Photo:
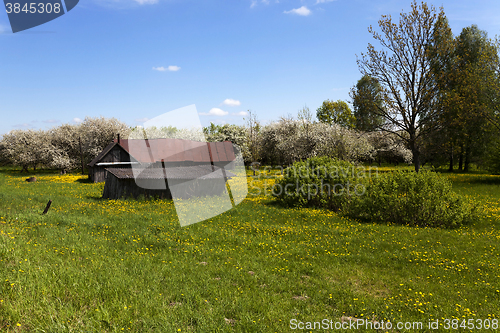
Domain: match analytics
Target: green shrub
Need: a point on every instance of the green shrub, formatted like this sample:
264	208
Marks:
422	199
319	182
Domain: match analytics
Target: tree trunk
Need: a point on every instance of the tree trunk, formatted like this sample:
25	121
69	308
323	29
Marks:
461	159
416	159
450	169
415	152
467	158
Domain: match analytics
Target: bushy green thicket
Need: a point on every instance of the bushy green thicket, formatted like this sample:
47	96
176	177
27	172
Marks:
319	182
422	199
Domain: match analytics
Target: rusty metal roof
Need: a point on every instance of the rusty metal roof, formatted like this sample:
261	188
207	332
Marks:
186	172
178	150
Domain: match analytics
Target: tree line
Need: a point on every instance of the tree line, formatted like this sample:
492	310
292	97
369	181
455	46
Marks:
282	142
439	93
64	147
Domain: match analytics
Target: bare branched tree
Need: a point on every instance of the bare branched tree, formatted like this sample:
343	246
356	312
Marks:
404	72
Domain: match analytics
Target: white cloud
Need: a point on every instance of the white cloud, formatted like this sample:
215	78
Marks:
51	121
77	120
169	69
324	1
173	68
215	112
302	11
146	2
241	113
142	120
231	102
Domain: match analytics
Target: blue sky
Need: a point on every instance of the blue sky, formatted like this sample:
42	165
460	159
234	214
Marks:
137	59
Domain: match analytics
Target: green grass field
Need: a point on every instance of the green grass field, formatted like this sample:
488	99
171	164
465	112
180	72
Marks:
93	265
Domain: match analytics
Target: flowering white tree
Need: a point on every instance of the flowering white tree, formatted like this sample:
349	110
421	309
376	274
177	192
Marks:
341	142
4	158
389	147
278	141
239	135
289	140
97	133
65	153
26	148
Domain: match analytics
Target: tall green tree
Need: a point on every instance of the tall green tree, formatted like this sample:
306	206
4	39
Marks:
493	97
441	143
368	104
465	69
493	93
476	58
404	73
337	112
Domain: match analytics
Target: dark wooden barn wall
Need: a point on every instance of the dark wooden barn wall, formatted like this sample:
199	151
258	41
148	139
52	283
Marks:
116	188
98	174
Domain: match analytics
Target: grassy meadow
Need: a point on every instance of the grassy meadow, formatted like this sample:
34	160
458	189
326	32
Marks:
93	265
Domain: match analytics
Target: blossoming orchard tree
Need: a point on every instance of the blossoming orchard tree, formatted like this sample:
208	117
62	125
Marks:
97	133
289	140
26	148
388	147
403	70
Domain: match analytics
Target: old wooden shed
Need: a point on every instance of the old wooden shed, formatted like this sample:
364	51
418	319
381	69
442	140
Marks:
159	153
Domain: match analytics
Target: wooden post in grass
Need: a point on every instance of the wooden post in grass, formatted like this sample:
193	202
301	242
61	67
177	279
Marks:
47	207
